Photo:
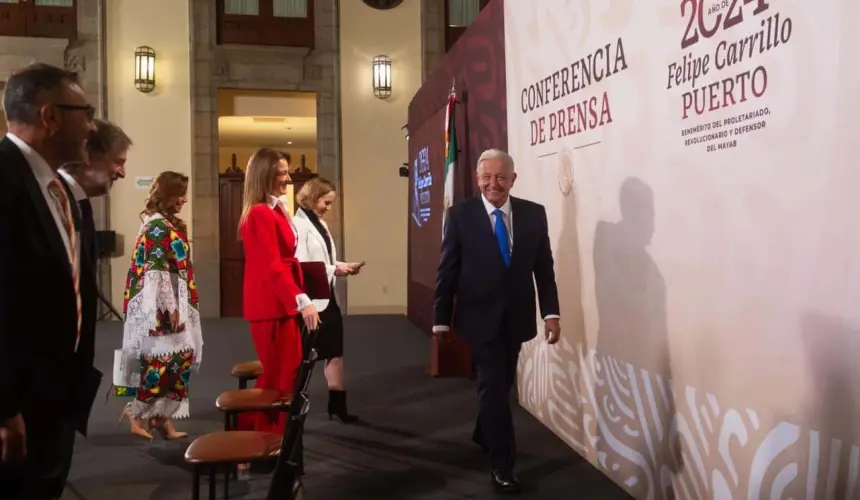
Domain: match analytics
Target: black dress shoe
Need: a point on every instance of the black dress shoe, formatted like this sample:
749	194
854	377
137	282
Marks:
505	482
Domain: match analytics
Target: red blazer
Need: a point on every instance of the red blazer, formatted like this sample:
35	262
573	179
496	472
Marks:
273	276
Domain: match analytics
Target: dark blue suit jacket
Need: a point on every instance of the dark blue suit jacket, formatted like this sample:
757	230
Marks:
493	299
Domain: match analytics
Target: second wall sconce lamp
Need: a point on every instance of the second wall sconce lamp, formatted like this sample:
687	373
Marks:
382	77
144	69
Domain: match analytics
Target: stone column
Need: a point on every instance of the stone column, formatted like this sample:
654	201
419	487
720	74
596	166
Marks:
432	34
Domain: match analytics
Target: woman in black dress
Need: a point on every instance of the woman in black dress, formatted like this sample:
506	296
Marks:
315	244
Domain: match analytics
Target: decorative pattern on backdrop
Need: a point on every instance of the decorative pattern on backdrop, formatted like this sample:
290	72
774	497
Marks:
660	439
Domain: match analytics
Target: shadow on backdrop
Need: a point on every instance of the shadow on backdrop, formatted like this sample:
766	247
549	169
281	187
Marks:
832	346
632	386
569	283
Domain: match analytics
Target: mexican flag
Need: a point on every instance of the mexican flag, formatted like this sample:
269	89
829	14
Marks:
450	155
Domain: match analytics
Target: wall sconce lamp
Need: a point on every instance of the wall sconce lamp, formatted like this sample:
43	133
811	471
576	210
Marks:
144	69
382	77
405	130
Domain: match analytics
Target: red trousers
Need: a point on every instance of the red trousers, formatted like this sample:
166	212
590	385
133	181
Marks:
279	348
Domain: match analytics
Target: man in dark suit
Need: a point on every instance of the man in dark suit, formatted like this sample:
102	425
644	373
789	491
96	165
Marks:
107	152
47	291
495	249
106	155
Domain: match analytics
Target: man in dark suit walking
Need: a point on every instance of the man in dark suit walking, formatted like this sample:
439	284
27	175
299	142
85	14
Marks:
107	152
47	288
495	249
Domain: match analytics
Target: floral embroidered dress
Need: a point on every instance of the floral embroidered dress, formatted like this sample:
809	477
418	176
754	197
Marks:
154	365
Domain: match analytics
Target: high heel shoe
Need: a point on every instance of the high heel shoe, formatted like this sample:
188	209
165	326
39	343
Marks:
164	427
337	407
135	426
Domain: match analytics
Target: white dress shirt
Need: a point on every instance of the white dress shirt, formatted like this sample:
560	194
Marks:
44	176
509	223
77	190
302	299
508	218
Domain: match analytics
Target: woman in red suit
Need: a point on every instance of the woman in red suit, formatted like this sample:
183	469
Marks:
274	303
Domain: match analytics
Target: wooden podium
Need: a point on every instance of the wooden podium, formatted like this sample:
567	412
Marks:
450	357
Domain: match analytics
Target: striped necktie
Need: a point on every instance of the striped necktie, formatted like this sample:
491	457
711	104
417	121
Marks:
61	200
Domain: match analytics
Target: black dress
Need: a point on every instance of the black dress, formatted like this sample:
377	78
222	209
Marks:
329	342
329	339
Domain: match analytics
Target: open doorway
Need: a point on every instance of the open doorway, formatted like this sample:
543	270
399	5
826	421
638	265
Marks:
247	121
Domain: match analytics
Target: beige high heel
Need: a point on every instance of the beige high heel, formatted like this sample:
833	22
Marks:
135	426
164	426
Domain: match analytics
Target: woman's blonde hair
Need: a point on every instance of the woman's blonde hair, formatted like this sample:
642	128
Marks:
164	193
259	177
312	190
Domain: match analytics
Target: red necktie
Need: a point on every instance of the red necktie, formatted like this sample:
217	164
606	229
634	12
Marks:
58	193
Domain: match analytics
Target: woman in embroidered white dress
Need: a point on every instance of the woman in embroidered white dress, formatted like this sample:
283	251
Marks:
162	340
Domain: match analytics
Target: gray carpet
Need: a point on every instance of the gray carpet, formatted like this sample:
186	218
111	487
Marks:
414	442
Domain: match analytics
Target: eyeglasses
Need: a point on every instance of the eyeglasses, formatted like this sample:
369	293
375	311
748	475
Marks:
90	110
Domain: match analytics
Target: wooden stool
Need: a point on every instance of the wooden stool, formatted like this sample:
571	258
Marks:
237	401
225	450
249	370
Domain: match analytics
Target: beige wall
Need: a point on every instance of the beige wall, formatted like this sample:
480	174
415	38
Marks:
159	123
374	197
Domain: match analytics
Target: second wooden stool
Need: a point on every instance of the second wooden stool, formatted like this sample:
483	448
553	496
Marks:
247	371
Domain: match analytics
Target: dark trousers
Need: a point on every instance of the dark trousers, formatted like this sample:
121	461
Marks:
496	366
42	476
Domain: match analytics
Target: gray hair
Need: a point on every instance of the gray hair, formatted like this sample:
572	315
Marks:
106	138
32	87
496	154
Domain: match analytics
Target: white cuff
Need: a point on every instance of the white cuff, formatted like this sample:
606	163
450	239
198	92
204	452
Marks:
440	328
303	301
551	316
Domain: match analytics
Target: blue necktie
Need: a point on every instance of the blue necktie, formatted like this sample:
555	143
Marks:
502	236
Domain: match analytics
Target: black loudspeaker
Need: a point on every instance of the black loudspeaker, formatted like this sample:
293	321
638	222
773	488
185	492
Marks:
106	243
